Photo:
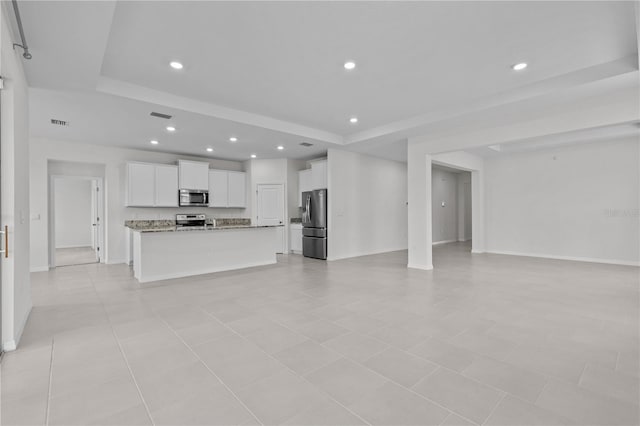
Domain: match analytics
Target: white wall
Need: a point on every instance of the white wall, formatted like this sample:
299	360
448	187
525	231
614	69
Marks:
575	202
269	171
16	287
293	167
464	206
73	212
367	205
444	187
112	160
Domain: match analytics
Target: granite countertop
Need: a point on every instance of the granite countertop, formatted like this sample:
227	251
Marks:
170	225
199	228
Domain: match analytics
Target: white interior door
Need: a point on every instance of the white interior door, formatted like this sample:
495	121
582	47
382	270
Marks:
271	210
97	209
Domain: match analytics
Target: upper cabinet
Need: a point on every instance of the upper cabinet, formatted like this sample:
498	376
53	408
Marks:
151	185
218	188
305	183
227	189
193	175
237	189
141	185
319	174
166	185
157	185
313	178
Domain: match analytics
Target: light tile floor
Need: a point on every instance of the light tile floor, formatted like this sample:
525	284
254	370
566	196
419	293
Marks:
482	339
75	256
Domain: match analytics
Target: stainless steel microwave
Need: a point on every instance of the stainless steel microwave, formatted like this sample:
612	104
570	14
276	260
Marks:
193	197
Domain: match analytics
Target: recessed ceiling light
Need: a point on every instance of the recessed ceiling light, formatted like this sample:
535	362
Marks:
171	129
349	65
280	147
520	66
209	149
176	65
233	139
353	120
253	156
154	142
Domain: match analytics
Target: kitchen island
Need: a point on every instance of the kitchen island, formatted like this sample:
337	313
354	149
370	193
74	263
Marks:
163	251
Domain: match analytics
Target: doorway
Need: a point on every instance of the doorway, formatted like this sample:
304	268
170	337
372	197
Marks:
271	210
451	206
76	217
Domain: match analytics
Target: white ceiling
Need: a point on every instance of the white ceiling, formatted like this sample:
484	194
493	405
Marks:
600	134
271	72
110	120
284	59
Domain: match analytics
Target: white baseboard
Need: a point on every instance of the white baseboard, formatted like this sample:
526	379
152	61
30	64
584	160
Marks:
463	240
75	246
115	261
437	243
477	251
422	267
39	268
366	253
571	258
9	345
12	345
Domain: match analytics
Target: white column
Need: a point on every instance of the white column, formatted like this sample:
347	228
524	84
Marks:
419	211
477	211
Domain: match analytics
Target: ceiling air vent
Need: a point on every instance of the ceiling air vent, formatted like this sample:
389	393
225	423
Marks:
59	122
306	144
161	115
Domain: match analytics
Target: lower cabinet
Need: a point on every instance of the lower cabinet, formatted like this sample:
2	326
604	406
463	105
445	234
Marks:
295	235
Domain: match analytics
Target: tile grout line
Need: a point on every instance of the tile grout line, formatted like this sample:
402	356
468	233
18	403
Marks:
493	410
135	382
212	372
46	419
584	369
358	363
126	361
287	367
393	381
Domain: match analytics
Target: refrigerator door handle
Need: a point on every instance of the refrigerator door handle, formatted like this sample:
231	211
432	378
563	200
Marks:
308	209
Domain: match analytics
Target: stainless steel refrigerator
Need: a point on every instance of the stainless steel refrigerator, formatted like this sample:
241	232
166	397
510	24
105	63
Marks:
314	224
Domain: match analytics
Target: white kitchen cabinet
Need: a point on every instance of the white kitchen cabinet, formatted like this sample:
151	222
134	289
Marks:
166	183
141	178
237	189
295	235
193	175
305	183
319	174
218	188
227	189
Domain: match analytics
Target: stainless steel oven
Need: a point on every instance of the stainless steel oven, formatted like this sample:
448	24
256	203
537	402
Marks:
190	221
193	197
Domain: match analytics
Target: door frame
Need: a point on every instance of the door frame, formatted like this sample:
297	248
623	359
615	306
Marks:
285	231
99	208
477	201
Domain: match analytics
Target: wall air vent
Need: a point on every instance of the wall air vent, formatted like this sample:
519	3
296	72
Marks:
59	122
306	144
161	115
